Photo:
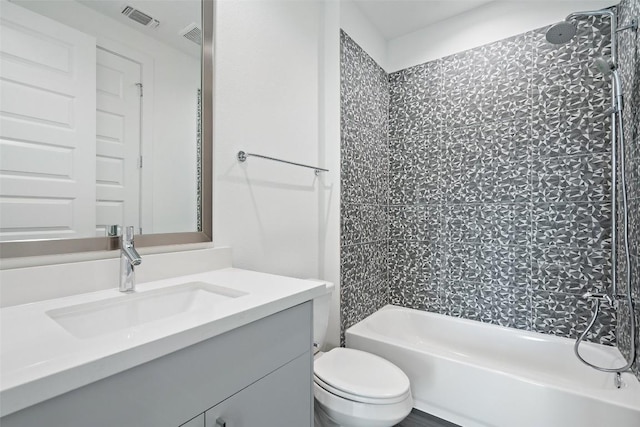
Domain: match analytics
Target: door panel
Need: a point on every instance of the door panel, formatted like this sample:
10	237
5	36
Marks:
117	141
47	81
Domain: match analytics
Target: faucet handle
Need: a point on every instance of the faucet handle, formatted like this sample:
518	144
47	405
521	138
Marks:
112	230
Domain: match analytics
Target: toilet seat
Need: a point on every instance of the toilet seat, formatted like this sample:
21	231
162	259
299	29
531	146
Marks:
356	398
361	377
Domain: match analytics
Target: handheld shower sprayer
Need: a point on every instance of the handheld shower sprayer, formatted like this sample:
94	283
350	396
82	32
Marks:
608	68
604	65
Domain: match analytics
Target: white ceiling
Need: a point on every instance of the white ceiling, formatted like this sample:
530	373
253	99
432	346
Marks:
174	15
395	18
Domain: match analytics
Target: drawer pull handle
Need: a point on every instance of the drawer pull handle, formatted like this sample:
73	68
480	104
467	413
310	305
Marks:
220	423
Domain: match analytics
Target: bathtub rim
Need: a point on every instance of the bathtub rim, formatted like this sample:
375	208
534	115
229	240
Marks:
607	395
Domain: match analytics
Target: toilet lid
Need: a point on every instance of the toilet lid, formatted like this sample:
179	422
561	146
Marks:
360	374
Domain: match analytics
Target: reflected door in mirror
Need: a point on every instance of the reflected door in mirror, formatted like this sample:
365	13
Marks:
119	89
47	128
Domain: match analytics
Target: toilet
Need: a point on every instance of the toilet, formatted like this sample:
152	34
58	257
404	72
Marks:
353	388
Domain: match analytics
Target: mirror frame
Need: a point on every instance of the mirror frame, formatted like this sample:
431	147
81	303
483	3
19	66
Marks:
66	246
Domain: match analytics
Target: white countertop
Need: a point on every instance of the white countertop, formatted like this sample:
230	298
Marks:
39	359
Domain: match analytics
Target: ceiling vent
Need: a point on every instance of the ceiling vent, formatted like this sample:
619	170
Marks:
140	17
192	33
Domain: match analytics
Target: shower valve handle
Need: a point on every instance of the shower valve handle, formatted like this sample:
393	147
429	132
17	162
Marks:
598	296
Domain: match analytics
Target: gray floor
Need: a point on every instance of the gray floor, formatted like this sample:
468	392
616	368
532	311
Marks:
420	419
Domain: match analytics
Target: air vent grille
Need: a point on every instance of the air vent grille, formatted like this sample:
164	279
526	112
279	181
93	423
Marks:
192	33
140	17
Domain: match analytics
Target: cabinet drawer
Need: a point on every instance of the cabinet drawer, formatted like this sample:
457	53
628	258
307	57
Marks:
277	400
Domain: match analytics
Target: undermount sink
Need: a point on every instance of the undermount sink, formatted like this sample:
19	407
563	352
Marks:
127	311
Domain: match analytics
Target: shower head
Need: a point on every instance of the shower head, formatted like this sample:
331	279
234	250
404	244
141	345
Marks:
607	67
604	65
561	32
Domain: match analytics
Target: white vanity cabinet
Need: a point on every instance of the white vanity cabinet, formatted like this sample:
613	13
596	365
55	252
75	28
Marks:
258	374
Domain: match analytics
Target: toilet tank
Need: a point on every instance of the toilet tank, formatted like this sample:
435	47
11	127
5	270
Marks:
321	306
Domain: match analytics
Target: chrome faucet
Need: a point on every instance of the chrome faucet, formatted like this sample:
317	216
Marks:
129	258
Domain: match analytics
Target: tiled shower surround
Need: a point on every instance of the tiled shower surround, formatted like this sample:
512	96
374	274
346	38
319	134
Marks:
630	73
496	205
364	156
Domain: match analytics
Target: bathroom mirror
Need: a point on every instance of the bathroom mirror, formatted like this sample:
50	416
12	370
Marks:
105	121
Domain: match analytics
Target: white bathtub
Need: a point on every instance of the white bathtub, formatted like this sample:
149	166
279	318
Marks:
477	374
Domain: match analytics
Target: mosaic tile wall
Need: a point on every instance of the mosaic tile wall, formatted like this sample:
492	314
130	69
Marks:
629	58
499	181
364	182
499	184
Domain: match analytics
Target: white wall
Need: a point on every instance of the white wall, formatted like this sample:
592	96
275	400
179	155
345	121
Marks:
267	102
330	149
176	78
362	31
277	94
486	24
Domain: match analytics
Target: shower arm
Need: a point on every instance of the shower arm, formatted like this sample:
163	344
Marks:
614	27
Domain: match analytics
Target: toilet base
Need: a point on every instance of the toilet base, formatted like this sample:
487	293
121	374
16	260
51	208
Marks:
321	419
333	411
